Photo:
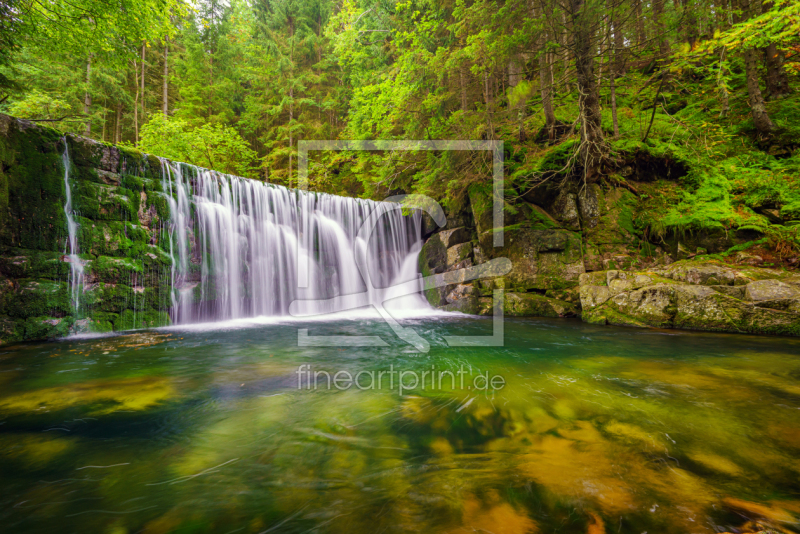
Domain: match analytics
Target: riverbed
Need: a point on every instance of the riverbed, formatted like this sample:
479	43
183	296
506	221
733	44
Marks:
237	427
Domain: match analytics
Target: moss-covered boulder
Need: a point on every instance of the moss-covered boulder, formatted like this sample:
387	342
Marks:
541	259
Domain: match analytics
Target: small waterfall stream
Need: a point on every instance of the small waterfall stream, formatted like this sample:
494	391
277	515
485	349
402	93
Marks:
235	244
71	247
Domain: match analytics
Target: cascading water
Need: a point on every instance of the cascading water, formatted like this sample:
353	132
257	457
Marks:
235	245
71	247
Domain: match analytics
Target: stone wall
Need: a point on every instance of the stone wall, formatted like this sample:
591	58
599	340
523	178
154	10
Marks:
119	209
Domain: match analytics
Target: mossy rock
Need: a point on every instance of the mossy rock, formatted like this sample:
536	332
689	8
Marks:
113	298
433	260
468	305
104	202
541	259
26	263
47	327
31	185
112	270
38	297
12	330
130	319
112	238
534	305
529	305
791	212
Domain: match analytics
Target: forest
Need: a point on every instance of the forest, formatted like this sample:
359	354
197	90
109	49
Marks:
579	91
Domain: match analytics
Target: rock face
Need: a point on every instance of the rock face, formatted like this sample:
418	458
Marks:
695	296
120	208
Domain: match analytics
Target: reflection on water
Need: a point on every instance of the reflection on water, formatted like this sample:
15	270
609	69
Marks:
596	430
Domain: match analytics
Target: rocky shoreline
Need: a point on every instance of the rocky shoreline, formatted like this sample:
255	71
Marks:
577	259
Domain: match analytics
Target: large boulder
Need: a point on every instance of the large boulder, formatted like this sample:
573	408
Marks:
541	259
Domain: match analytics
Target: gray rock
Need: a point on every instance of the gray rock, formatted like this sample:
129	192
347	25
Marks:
453	237
460	291
593	296
770	290
458	253
565	209
589	205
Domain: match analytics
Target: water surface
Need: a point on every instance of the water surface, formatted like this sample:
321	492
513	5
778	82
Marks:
204	429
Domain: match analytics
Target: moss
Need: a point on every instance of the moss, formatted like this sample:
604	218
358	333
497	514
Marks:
104	202
432	260
114	298
533	305
26	263
33	176
112	238
113	270
47	327
97	397
129	319
11	330
791	211
102	321
37	297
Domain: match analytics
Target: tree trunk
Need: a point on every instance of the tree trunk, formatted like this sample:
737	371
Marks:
619	46
721	10
637	13
777	82
593	148
755	99
118	123
690	15
565	46
165	88
663	41
619	68
514	72
87	98
136	104
463	79
723	89
546	86
143	105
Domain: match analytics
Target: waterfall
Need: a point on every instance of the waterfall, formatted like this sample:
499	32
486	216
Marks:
71	247
235	245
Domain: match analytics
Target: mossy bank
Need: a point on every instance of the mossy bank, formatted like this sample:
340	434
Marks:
120	210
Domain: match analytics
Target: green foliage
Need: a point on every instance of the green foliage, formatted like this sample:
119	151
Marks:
214	146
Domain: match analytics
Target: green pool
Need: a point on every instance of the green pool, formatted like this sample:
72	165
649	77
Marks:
588	429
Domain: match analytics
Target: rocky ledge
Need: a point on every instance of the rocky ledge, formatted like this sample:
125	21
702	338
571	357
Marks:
688	294
695	295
